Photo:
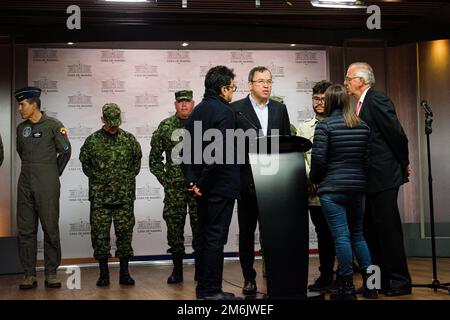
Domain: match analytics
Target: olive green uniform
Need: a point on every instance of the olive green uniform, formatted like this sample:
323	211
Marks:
177	199
111	162
45	151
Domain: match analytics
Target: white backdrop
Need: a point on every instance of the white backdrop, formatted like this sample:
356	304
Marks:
76	83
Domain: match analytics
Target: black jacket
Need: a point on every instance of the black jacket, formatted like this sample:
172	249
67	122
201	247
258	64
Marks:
389	154
339	155
246	118
214	178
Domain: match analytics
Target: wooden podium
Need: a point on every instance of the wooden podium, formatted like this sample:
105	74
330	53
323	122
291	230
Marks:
280	183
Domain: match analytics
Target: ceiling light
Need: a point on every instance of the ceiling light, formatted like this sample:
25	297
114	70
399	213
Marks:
184	44
292	44
70	43
347	4
126	0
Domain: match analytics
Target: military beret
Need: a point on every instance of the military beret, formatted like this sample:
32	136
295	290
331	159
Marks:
27	93
277	98
111	114
183	95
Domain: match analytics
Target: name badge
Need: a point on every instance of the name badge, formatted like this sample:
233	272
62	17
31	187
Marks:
37	134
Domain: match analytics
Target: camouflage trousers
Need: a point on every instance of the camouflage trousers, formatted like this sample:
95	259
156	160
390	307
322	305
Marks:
101	218
176	201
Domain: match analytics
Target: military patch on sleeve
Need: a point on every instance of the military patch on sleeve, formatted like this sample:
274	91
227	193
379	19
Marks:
63	131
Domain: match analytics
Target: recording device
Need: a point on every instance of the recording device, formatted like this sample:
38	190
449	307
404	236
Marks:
240	114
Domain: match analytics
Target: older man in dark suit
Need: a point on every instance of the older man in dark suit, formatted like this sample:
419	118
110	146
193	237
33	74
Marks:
389	169
215	181
267	117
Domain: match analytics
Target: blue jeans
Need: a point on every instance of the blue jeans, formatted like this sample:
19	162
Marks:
344	213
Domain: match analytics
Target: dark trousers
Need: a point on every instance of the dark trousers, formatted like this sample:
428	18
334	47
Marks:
384	236
214	218
247	219
325	241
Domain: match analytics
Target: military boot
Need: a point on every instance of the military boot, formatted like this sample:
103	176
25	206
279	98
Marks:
103	280
29	282
177	273
125	277
51	281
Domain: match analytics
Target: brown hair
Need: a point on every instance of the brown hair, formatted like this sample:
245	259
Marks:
336	97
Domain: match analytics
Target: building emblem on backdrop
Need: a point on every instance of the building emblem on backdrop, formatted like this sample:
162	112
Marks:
145	131
178	56
175	85
79	101
241	57
149	226
46	85
79	194
145	71
242	85
146	101
204	70
50	113
148	193
113	86
306	57
277	71
44	55
112	56
79	132
305	86
74	165
81	228
79	70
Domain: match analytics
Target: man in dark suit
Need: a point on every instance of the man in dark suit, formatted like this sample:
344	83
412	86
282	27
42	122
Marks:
389	168
214	181
268	117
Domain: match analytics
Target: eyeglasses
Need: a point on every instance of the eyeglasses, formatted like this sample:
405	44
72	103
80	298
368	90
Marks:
262	82
317	99
234	88
348	79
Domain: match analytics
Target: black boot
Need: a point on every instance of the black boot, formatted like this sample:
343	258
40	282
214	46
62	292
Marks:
125	277
346	289
103	280
177	273
367	293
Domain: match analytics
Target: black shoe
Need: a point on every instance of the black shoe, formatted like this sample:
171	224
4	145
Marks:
401	291
222	296
103	279
322	283
249	287
175	278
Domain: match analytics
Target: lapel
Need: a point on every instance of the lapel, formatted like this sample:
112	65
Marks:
364	113
248	109
271	115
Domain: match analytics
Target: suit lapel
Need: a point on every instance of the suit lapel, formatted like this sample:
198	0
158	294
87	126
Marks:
364	113
271	115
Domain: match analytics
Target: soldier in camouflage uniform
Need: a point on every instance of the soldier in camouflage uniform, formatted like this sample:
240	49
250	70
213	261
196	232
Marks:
44	149
177	198
111	159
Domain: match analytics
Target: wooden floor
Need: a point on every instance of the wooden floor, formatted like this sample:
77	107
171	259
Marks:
151	283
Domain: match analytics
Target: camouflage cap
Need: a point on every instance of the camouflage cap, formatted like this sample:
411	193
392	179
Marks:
111	114
183	95
277	98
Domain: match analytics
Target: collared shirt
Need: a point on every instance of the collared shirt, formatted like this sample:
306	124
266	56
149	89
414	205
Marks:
262	113
363	95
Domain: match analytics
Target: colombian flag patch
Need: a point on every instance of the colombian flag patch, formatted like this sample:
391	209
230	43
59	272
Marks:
63	131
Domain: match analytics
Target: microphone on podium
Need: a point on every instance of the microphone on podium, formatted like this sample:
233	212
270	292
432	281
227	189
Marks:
241	114
426	107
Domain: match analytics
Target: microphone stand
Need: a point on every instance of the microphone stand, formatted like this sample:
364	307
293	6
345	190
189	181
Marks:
435	284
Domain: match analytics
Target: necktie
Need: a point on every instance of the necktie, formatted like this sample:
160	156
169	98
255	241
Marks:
358	107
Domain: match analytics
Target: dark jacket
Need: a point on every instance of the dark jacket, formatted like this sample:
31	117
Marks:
388	143
216	178
339	155
246	118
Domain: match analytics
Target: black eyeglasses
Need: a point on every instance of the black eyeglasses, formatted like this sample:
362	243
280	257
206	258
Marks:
317	99
263	82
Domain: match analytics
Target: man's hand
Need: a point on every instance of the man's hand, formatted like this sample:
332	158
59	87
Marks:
193	188
409	170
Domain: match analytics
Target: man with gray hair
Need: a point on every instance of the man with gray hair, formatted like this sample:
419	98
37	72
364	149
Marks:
389	168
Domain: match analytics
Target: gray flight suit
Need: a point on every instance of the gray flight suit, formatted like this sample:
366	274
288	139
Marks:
45	151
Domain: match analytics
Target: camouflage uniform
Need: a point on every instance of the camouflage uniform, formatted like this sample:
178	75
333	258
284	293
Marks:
177	198
111	162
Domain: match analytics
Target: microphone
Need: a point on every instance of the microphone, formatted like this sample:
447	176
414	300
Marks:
426	107
241	114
